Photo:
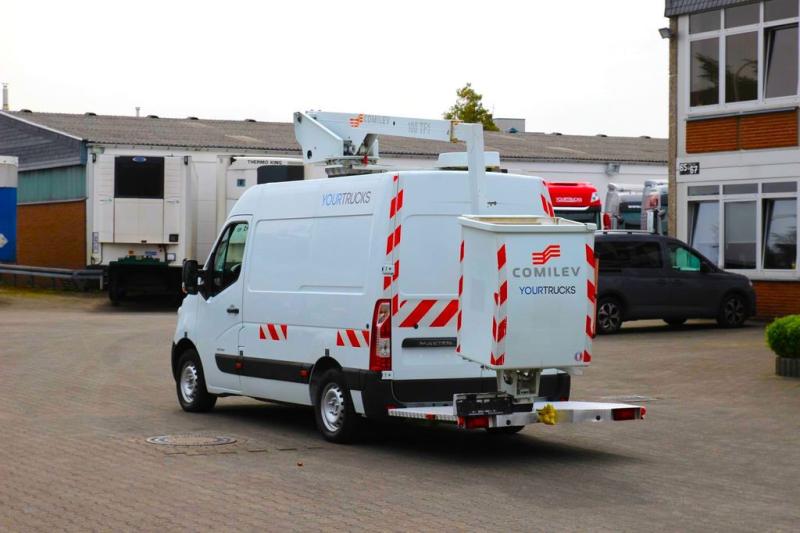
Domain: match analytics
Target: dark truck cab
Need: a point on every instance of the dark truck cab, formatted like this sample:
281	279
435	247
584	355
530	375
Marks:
648	276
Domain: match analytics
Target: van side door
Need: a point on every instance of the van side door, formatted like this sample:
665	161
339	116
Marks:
633	270
696	288
219	311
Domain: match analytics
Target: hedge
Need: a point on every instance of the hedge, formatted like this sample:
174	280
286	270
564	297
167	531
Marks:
783	336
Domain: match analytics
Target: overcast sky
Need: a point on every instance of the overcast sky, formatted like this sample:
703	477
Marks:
572	66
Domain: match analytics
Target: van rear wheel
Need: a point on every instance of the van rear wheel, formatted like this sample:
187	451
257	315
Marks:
333	408
609	316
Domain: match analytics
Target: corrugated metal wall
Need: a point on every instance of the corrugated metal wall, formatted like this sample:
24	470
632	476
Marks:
52	184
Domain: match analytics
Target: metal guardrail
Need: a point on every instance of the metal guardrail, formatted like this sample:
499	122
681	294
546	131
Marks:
79	277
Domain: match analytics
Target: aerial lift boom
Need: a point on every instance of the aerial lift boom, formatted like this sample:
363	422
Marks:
351	140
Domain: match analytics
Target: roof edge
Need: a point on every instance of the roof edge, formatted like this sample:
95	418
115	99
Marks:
41	126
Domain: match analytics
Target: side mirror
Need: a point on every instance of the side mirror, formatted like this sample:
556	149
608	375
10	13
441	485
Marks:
189	277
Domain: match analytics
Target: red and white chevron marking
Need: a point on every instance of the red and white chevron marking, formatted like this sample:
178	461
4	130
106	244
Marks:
500	318
547	206
550	252
273	332
591	294
460	291
427	313
353	338
392	243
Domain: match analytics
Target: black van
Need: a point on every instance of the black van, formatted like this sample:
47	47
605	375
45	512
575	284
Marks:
643	275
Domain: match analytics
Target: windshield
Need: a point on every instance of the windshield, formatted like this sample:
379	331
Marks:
584	217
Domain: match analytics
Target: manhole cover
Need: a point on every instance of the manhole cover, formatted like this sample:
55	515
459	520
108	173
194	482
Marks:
190	440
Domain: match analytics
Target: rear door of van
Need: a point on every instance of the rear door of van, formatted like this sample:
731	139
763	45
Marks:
426	252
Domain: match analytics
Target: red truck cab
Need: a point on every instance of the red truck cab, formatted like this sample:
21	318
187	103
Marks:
576	201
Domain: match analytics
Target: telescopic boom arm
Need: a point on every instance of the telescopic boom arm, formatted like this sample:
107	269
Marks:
352	140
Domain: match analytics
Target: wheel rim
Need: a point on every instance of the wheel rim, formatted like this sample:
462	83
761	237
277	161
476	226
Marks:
608	316
189	383
734	311
332	407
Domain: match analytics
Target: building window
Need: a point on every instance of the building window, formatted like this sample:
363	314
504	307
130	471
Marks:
780	9
780	60
704	229
741	15
705	72
740	235
780	233
703	22
748	35
741	67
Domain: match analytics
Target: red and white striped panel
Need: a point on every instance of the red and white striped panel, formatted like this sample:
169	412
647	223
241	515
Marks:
392	244
591	294
427	313
273	332
353	338
500	319
547	206
460	291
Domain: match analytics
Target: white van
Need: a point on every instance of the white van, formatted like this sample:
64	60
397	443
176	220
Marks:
342	294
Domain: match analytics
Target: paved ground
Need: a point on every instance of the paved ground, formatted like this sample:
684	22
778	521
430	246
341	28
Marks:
83	385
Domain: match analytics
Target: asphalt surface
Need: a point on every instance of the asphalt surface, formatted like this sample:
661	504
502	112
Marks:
83	385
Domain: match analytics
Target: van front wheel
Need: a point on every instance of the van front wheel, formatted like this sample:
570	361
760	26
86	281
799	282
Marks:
191	385
333	408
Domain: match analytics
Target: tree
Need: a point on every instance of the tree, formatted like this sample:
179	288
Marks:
469	108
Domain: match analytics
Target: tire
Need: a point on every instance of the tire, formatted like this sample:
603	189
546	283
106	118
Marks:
506	430
190	385
333	409
732	311
609	316
675	322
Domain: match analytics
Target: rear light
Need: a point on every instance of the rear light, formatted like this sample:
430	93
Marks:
652	201
606	221
628	413
473	422
380	348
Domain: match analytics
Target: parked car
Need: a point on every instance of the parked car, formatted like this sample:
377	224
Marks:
647	276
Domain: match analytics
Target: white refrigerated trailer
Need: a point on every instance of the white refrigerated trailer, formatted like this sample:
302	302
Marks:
152	209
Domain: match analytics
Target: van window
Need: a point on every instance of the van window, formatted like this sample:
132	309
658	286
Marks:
320	255
226	261
683	259
429	254
616	255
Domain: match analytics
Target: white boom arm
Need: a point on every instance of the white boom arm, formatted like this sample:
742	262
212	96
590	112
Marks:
352	139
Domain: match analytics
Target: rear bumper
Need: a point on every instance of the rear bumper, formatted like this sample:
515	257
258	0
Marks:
378	395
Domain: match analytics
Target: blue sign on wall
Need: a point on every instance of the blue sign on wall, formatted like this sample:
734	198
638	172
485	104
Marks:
8	224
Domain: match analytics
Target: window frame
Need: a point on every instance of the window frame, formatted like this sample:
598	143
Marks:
208	289
721	35
759	272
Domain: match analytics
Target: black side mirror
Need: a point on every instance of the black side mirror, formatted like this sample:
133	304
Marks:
189	277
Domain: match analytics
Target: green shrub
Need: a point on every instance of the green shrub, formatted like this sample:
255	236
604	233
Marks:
783	336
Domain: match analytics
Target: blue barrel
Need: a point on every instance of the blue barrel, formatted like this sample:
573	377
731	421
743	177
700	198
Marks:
8	209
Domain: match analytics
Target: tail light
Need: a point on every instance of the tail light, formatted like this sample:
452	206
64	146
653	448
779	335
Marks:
473	422
628	413
652	201
606	221
380	348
